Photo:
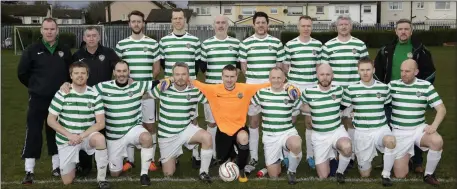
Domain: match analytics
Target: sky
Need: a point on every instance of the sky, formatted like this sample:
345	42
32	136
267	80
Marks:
81	4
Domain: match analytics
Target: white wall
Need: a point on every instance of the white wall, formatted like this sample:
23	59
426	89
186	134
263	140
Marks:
369	18
205	19
354	13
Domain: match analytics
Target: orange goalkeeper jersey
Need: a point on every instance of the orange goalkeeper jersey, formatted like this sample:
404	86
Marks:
229	108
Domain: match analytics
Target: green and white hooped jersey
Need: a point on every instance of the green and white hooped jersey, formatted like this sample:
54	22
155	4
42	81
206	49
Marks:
409	102
76	111
302	58
219	53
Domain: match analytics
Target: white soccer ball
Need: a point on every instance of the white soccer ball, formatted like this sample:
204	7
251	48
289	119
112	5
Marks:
229	171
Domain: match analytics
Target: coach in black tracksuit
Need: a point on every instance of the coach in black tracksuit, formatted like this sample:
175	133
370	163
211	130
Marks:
43	68
101	61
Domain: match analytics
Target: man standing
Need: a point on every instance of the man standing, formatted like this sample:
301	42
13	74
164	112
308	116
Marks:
43	68
388	62
410	97
180	46
77	117
258	54
142	54
369	97
278	131
217	52
302	55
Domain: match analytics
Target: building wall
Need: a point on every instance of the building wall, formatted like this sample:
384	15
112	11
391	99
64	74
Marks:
121	9
388	16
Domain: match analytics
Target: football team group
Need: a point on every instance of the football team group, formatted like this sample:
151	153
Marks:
353	106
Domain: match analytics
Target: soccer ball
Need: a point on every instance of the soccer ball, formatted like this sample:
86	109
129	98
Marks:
229	171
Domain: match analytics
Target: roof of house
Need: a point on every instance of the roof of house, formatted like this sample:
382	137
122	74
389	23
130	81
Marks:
25	10
67	13
155	2
164	15
251	17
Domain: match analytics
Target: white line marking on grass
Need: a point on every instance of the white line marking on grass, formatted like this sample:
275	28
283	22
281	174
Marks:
304	179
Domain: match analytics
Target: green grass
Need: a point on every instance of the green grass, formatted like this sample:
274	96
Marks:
14	101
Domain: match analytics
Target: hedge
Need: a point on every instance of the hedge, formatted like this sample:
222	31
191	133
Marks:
31	35
376	39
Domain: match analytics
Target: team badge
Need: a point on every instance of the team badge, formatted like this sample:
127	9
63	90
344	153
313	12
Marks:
145	49
188	45
270	47
188	97
231	48
333	96
130	93
90	105
286	101
60	53
314	52
240	95
101	57
418	94
354	51
378	95
409	55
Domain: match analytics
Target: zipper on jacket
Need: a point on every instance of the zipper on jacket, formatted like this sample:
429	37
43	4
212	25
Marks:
387	66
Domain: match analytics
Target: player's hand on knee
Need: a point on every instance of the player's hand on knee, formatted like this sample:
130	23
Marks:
74	139
65	88
430	129
294	92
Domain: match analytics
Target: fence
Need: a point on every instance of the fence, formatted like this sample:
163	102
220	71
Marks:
111	34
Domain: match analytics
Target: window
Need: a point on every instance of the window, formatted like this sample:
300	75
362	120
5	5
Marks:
295	11
367	9
319	9
342	10
66	21
227	10
395	5
202	10
443	5
248	11
76	21
35	20
274	10
420	5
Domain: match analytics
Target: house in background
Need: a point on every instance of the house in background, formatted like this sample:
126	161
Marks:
418	11
121	9
69	16
28	14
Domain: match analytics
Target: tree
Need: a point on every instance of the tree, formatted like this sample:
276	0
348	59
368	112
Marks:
95	12
40	3
13	2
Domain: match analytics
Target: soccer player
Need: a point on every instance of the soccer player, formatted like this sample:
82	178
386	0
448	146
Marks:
323	101
42	69
217	52
258	54
302	55
410	97
343	53
175	123
77	117
278	131
123	120
142	54
180	46
368	97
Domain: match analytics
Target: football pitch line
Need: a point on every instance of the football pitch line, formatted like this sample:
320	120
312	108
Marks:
303	179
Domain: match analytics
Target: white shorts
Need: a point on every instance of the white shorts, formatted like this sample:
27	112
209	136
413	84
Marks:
366	142
117	149
172	147
274	145
406	139
69	155
302	88
208	114
254	110
348	112
324	143
148	110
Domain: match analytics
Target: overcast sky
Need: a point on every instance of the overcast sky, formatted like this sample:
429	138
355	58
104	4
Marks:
81	4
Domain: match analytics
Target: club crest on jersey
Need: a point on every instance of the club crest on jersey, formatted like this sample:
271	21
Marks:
240	95
90	105
314	52
231	48
378	95
145	49
418	93
188	97
409	55
60	53
101	57
286	101
188	45
333	96
270	47
130	93
354	51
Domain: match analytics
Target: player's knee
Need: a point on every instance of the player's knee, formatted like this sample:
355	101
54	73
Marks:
323	175
437	142
146	140
346	148
207	139
295	145
99	140
115	173
67	181
364	168
390	142
400	174
242	137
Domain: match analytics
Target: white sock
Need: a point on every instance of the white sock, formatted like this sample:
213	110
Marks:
389	159
433	157
131	154
309	144
342	164
154	145
294	160
55	161
101	157
29	164
213	131
146	158
196	153
207	154
254	143
285	153
351	132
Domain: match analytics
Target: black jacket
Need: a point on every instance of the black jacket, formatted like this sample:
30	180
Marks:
101	63
42	72
384	58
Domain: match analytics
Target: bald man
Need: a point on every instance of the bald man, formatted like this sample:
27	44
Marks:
410	98
217	52
323	101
